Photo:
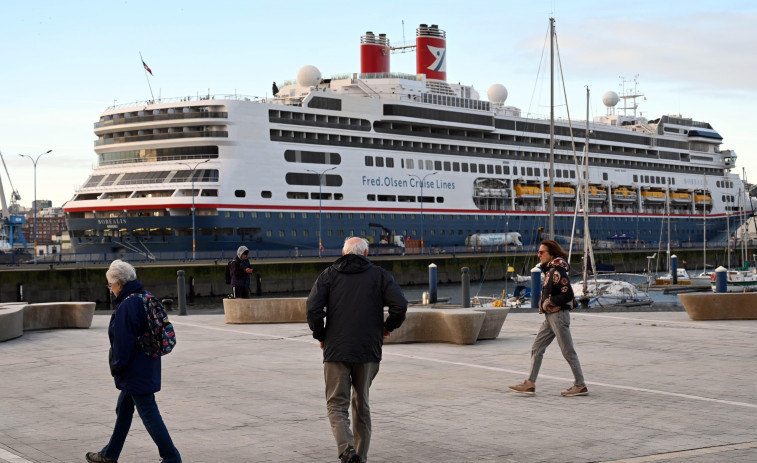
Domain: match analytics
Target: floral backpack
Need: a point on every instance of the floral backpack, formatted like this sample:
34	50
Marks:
159	339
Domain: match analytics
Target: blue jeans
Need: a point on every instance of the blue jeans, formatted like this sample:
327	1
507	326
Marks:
148	411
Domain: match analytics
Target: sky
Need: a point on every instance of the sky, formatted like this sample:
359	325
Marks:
64	63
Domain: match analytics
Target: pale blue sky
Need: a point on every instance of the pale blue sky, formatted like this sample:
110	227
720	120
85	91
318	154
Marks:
65	62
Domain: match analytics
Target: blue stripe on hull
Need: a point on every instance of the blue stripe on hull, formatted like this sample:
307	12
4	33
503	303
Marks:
219	233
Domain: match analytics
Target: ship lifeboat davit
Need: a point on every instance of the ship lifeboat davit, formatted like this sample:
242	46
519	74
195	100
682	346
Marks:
527	192
563	193
653	196
623	194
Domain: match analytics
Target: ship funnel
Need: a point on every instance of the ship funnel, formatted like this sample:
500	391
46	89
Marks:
431	52
374	53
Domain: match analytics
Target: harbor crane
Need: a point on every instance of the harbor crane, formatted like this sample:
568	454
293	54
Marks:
11	236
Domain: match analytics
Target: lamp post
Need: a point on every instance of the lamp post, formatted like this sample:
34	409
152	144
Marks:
34	161
194	246
422	181
320	207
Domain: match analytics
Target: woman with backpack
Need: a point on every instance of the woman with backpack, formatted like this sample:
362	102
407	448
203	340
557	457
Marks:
136	374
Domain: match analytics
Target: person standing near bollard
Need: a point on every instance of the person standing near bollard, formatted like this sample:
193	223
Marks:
555	303
135	373
240	274
351	295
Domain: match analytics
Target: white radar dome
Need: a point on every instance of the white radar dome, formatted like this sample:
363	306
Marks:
308	76
497	94
610	99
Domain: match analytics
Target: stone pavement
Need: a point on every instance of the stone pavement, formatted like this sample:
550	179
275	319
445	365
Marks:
662	388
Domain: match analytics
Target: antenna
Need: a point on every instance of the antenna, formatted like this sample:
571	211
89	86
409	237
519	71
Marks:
629	94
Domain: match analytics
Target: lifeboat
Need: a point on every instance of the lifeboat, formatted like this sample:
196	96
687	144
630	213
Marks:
597	193
702	200
621	194
527	192
680	197
653	196
562	192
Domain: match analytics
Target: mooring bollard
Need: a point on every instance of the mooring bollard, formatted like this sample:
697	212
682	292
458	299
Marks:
674	269
721	280
182	290
466	286
535	286
432	284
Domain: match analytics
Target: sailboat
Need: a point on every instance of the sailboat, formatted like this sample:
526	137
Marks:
595	292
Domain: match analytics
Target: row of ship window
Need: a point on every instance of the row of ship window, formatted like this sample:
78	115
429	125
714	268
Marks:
481	152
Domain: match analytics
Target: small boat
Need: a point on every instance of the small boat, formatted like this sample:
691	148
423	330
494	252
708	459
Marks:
682	277
653	196
741	280
611	293
624	194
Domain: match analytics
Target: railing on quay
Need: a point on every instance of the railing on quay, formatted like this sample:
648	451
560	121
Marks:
223	256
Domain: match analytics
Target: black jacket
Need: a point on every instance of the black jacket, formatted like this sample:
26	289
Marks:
556	292
351	295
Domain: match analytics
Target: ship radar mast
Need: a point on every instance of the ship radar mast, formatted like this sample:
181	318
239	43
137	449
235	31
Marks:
630	94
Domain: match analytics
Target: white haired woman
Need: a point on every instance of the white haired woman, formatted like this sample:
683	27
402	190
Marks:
136	374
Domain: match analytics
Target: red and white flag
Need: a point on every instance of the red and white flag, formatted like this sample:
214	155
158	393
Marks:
147	68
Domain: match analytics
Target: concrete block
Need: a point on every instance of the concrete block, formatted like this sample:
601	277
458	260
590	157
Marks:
11	321
52	315
495	318
720	306
458	326
284	310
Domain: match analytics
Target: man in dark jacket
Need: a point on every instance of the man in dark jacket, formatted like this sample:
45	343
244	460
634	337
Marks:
240	274
351	295
555	303
135	373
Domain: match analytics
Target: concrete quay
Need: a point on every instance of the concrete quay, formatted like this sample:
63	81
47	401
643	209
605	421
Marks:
663	388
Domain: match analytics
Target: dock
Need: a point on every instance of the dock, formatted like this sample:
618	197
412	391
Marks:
661	388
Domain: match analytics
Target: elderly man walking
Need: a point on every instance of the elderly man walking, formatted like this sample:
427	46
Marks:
350	296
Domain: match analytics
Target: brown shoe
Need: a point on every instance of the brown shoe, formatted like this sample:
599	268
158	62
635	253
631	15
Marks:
524	388
575	390
97	457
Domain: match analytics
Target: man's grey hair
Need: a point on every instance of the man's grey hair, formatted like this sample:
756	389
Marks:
120	272
354	245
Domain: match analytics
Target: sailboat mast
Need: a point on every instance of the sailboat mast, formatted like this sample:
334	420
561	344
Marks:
551	128
704	224
586	201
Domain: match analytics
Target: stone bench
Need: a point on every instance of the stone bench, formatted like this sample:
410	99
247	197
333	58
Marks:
50	315
16	318
422	324
458	326
11	321
720	306
272	310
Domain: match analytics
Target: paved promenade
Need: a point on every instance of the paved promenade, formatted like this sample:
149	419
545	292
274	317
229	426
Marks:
662	389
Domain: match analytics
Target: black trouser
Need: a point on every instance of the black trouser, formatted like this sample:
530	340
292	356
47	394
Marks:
241	292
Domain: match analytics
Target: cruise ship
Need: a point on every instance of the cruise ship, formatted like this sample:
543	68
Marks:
381	153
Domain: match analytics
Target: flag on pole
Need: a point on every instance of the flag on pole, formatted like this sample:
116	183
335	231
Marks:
147	68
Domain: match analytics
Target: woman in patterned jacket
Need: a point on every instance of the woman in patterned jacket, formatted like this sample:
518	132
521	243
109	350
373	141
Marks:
555	303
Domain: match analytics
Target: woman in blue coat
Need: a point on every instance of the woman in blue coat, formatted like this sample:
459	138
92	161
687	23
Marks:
136	374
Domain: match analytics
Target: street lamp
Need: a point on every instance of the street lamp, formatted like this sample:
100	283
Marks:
320	207
34	161
422	180
194	247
